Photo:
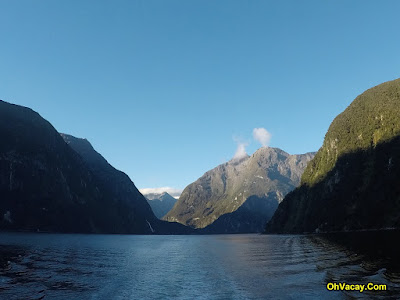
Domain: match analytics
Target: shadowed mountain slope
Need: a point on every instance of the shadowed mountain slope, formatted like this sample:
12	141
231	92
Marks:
47	186
260	181
353	181
161	204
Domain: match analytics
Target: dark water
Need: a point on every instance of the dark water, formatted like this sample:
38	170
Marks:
55	266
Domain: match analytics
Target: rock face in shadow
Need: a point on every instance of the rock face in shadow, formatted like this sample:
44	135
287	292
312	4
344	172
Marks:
353	181
250	217
45	185
161	204
120	190
129	206
260	181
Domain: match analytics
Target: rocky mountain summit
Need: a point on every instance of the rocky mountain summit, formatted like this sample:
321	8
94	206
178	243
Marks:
240	195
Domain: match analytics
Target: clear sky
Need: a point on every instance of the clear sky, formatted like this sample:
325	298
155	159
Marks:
164	89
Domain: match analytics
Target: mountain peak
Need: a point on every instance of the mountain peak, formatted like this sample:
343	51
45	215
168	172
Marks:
161	203
267	175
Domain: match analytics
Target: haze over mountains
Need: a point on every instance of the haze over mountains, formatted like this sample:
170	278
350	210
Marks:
240	195
353	181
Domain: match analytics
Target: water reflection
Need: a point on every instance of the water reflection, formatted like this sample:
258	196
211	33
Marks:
49	266
361	258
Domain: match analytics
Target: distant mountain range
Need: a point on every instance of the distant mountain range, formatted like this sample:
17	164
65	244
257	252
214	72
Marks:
240	195
160	203
55	182
48	184
353	181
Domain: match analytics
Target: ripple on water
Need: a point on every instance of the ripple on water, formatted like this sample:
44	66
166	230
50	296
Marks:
187	267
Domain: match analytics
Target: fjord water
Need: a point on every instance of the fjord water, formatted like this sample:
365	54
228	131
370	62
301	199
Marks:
73	266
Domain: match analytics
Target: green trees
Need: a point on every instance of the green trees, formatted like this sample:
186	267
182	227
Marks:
372	118
352	183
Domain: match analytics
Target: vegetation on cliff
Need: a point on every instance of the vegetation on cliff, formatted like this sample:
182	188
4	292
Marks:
352	183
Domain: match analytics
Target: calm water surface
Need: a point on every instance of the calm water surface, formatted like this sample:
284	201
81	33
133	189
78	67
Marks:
57	266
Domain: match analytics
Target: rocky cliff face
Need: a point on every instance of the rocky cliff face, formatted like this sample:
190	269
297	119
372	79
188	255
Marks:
238	194
133	208
352	183
130	207
45	185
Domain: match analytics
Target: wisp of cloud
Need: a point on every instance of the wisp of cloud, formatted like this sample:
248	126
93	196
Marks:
241	149
262	136
172	191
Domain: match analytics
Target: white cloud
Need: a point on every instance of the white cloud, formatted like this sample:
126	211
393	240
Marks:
241	148
240	151
262	136
172	191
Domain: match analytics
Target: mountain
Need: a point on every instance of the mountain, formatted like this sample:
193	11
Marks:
119	189
130	207
240	195
161	204
353	181
45	185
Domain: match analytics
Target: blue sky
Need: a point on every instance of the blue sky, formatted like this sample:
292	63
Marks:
163	89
